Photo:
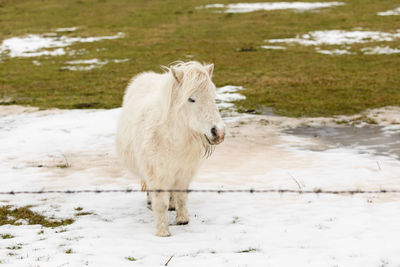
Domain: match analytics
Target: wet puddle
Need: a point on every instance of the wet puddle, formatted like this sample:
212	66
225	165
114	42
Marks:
379	140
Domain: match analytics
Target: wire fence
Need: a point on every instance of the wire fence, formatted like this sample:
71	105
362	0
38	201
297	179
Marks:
218	191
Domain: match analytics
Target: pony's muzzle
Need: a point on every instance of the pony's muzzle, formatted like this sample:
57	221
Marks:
218	135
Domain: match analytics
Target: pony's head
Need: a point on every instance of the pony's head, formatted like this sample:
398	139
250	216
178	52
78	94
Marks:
193	95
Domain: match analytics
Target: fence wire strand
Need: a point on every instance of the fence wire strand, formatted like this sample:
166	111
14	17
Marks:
219	191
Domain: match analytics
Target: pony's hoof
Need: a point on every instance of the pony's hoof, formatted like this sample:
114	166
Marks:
171	208
163	233
182	219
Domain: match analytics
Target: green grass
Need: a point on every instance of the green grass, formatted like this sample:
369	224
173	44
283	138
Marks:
15	247
80	212
6	236
294	82
84	213
12	215
248	250
130	258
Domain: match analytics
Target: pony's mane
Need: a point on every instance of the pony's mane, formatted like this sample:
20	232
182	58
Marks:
179	64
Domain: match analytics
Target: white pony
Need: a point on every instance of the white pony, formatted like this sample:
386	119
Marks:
168	123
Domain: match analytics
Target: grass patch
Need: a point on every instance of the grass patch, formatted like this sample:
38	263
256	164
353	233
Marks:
293	82
6	236
63	165
248	250
130	258
81	212
84	213
235	219
18	246
69	251
357	120
14	216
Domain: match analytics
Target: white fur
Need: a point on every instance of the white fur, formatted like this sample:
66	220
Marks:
162	137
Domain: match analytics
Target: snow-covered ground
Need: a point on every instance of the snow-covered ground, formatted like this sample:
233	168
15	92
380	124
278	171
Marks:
273	47
344	39
251	7
89	64
224	230
48	44
53	44
339	37
334	51
226	95
393	12
379	50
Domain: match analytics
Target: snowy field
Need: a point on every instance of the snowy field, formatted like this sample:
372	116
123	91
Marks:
224	230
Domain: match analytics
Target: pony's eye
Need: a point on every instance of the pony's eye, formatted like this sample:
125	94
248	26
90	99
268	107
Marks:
191	100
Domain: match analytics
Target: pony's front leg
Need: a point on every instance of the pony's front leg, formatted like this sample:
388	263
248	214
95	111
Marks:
182	215
160	207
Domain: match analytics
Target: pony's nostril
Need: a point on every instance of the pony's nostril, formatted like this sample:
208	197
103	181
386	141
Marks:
214	131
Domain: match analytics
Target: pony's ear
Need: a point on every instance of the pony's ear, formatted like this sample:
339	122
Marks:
178	74
210	69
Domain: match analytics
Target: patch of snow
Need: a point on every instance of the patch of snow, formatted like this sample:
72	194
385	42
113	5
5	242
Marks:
87	61
273	47
226	94
214	6
96	39
339	37
334	52
394	12
10	218
378	50
22	222
250	7
34	45
80	68
89	64
78	52
71	29
36	63
55	52
120	60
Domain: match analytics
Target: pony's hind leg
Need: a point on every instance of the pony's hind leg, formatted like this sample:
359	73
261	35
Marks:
148	200
144	189
172	201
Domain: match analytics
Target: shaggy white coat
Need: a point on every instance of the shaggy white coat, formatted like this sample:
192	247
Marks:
162	135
